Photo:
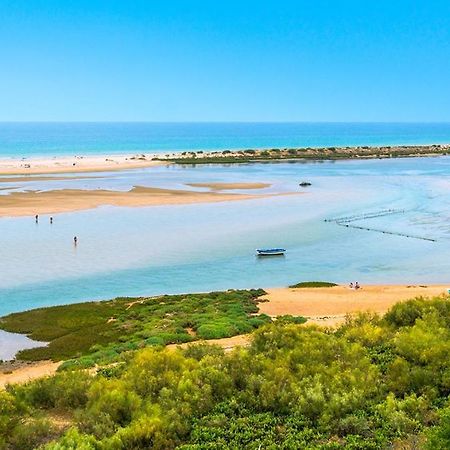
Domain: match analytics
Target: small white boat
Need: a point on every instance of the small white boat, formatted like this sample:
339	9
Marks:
270	251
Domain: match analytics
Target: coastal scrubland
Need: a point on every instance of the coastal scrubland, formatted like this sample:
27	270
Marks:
308	153
373	383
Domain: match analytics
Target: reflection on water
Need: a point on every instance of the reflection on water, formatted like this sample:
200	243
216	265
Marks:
11	343
134	251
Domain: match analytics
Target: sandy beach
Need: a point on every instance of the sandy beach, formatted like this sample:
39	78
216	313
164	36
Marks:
67	200
329	306
75	164
25	179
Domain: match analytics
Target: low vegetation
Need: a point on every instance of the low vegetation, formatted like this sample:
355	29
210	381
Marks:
374	383
318	154
97	332
313	284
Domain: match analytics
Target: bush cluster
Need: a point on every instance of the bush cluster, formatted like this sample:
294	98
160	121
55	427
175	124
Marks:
374	383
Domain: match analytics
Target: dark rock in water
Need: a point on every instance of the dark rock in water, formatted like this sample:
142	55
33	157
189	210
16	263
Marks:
305	184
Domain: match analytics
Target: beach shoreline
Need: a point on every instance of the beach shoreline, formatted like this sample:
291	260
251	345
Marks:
328	306
114	162
76	164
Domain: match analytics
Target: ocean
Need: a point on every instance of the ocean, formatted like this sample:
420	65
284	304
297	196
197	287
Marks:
22	140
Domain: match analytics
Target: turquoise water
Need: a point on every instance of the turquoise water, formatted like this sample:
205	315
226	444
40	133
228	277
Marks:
202	247
50	139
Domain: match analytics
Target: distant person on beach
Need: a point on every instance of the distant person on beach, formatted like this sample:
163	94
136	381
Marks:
357	286
75	240
51	220
37	218
350	285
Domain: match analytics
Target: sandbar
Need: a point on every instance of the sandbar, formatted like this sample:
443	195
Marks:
229	186
67	200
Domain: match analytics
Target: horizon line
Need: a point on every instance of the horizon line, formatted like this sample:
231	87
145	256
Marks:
220	122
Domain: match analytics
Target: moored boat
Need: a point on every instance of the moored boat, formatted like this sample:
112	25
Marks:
270	251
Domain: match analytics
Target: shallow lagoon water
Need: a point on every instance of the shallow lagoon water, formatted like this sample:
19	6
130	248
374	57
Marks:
203	247
11	343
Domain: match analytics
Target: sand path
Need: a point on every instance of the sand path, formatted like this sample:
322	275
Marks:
226	343
29	372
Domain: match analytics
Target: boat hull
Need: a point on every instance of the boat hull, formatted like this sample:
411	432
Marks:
271	252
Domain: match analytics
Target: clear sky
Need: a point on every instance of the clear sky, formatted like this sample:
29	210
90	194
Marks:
189	60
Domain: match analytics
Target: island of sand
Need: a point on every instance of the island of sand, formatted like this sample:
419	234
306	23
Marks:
26	203
80	164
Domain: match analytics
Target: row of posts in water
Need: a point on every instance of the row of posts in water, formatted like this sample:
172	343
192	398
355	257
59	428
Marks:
370	215
344	222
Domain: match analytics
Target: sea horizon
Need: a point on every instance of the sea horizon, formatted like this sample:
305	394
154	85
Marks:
53	139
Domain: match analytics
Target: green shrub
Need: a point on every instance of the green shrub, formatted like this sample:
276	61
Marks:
312	284
291	319
373	383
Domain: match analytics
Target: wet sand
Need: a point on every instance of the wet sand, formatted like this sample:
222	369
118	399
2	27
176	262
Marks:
329	306
29	203
229	186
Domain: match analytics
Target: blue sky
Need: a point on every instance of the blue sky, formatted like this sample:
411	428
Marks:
135	60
